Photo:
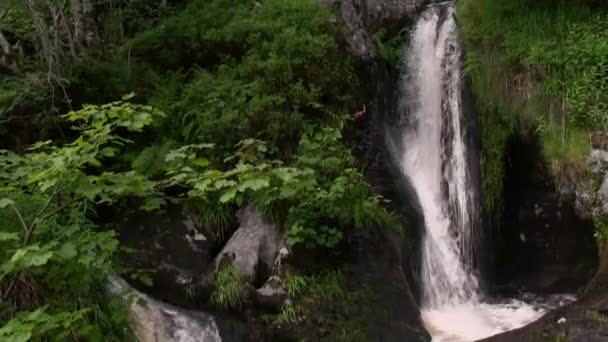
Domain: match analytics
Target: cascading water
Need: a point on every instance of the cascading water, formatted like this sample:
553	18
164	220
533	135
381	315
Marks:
436	162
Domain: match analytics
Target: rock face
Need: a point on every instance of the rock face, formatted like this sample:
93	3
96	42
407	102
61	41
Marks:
365	17
154	321
385	261
168	243
543	244
583	321
252	249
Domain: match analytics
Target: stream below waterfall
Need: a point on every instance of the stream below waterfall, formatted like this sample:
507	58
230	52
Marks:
437	162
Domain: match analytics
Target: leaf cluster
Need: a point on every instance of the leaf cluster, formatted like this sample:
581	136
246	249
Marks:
54	262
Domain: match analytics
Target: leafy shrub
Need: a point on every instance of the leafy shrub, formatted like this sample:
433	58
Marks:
264	72
54	263
151	160
318	196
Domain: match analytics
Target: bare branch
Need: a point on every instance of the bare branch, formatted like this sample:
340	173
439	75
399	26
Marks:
21	220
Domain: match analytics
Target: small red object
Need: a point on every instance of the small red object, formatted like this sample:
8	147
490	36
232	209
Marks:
361	113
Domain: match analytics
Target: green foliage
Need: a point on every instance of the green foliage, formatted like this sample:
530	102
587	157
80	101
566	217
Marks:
214	217
389	47
318	196
229	288
569	145
265	72
151	160
54	263
596	316
307	293
332	196
534	62
600	223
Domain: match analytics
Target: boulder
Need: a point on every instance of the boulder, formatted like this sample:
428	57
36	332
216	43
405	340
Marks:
155	321
365	17
271	295
252	249
167	243
602	195
597	162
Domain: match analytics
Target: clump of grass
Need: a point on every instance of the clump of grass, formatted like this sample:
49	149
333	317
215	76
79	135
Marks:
306	293
565	144
596	316
229	288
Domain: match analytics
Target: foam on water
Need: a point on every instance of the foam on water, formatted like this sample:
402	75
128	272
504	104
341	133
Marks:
473	321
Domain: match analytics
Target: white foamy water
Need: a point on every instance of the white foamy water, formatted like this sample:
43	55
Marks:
437	164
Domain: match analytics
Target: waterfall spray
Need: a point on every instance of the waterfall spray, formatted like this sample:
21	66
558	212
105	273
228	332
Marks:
435	159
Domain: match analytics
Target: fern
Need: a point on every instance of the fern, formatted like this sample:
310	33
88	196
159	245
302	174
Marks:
151	160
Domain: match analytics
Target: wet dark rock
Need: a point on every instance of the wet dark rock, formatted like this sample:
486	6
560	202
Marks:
544	244
386	261
393	314
365	17
271	295
583	321
167	246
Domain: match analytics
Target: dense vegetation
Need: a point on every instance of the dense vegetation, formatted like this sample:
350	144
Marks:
536	66
234	102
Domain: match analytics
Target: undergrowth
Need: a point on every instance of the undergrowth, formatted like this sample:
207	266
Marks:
228	288
535	65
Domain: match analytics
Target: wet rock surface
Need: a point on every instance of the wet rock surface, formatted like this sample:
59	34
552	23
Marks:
543	244
583	321
271	295
165	246
386	261
155	321
365	17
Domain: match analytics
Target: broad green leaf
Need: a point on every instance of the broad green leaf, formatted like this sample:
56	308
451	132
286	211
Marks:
202	162
254	184
153	203
67	251
5	202
5	236
228	195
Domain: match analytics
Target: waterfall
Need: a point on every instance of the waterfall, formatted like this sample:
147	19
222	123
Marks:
435	159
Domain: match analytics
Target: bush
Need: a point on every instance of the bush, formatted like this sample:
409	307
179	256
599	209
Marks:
264	72
534	62
55	263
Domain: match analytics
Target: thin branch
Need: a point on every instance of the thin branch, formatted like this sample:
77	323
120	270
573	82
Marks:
36	218
21	220
55	211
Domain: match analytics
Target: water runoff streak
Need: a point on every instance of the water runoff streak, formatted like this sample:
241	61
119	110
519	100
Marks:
436	162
